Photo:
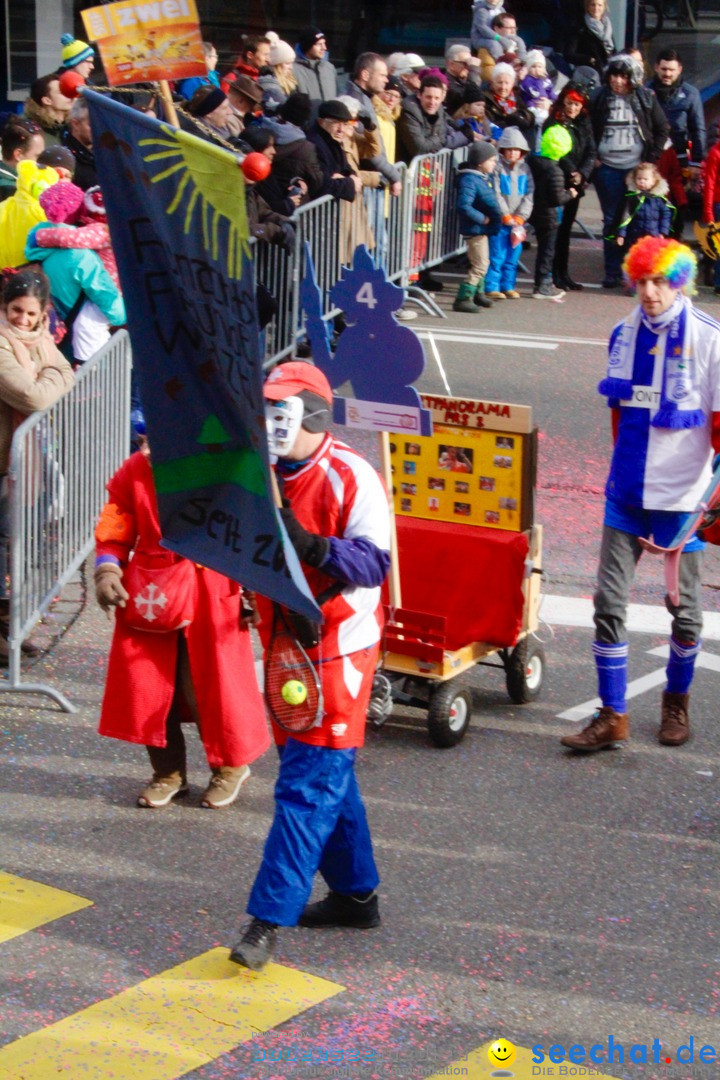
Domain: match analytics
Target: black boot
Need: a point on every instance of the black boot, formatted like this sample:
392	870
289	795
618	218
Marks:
359	912
257	945
573	286
429	283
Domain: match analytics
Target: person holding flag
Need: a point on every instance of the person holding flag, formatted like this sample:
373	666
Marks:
335	512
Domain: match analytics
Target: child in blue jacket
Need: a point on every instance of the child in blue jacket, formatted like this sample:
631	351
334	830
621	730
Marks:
646	209
479	217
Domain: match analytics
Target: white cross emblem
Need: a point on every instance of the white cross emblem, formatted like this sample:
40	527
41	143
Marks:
150	598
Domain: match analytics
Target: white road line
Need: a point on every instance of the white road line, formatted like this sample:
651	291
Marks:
500	336
642	618
486	339
711	661
637	686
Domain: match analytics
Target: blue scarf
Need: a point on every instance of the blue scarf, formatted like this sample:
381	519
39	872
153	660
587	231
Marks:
679	398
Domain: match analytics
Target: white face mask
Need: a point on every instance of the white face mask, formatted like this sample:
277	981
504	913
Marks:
283	420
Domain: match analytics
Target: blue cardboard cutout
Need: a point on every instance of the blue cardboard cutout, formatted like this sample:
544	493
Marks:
378	356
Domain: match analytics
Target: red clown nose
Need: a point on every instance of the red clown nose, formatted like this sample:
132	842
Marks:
255	167
70	82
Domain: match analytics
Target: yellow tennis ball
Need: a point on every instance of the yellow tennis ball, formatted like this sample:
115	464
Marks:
294	692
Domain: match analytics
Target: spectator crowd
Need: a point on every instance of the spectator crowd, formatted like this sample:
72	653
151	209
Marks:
538	126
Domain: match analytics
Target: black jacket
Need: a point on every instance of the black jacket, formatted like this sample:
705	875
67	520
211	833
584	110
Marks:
654	128
332	159
584	151
85	172
587	50
550	192
522	118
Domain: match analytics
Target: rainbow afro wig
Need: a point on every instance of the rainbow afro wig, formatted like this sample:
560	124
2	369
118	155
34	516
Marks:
656	256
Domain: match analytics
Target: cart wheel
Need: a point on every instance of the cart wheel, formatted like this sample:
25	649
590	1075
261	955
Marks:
449	713
524	671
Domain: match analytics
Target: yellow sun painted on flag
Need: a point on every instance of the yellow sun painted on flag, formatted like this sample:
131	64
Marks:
211	185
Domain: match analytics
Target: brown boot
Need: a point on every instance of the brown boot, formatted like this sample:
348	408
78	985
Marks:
675	721
606	728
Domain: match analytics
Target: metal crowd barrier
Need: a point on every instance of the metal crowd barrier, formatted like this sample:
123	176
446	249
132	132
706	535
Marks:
405	234
60	461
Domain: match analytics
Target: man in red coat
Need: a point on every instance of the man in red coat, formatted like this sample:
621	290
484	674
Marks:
202	671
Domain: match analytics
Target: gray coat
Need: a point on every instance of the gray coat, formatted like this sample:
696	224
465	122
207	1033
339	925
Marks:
418	133
318	78
380	162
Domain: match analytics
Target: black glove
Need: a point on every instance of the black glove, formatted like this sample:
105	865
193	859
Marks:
310	547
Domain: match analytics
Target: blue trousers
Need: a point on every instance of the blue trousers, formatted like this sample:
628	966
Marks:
319	824
504	261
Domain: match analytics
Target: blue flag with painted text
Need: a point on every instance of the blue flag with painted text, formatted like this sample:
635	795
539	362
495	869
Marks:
176	211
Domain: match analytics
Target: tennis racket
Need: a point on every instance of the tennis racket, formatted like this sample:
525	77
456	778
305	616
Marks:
292	688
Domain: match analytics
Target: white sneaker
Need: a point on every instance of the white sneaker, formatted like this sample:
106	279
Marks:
548	292
406	314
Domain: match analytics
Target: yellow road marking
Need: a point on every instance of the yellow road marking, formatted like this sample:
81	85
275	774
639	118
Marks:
167	1025
476	1066
25	905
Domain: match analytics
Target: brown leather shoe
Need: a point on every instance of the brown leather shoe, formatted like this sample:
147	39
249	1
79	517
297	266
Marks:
606	728
675	721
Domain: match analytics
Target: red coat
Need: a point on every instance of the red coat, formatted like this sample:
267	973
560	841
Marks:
711	191
141	669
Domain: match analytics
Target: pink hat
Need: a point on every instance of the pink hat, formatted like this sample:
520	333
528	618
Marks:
61	201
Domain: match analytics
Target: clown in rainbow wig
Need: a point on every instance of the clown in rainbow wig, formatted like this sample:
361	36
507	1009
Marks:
663	390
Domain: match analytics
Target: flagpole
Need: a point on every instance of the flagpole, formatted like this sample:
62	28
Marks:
168	103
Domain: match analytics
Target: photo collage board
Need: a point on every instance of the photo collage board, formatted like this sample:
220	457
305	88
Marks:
478	470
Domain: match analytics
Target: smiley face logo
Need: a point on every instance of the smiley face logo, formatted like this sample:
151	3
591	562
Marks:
501	1053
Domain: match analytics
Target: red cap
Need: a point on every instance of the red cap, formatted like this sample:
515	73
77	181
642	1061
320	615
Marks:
288	379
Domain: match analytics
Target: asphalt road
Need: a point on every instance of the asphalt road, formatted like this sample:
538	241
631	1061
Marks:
526	893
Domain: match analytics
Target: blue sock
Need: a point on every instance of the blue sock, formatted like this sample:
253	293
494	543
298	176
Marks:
611	663
681	665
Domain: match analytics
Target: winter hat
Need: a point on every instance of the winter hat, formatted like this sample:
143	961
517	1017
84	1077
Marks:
75	51
393	84
480	152
309	37
434	73
416	62
203	103
512	138
297	109
334	110
59	157
61	201
535	56
281	53
556	142
95	204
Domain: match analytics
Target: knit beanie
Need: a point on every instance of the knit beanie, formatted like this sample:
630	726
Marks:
281	53
61	201
535	56
556	142
480	152
309	37
75	51
296	109
203	103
